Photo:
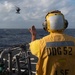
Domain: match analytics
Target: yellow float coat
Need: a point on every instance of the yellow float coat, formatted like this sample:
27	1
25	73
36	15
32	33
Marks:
54	60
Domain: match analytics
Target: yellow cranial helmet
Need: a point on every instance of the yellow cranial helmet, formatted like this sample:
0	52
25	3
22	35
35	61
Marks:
55	21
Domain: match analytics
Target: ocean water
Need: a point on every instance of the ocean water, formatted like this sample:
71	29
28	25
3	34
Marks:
10	37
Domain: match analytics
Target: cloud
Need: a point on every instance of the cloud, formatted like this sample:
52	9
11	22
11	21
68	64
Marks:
34	11
6	6
5	9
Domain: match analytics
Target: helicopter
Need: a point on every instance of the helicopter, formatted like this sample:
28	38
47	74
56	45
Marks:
18	10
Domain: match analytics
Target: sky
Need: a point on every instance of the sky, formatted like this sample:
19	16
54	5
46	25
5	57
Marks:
33	12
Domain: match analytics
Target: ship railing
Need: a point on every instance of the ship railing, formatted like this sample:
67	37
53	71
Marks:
18	59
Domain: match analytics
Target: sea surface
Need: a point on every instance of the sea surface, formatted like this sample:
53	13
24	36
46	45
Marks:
10	37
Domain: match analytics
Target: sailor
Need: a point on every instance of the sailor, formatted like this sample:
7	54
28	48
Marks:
56	51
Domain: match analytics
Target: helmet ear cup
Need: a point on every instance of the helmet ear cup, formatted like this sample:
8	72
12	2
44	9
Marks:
66	24
45	26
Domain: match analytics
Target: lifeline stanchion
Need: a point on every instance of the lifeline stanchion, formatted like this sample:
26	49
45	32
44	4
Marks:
29	63
10	62
18	65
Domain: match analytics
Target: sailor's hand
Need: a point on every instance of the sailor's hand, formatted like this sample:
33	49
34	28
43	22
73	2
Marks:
33	30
